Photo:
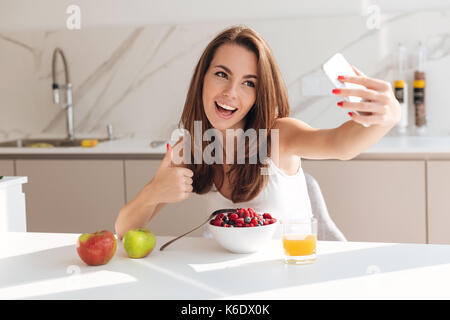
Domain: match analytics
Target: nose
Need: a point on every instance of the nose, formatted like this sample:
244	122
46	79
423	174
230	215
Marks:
230	90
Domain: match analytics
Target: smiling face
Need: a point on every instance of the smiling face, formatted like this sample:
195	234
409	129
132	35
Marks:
229	86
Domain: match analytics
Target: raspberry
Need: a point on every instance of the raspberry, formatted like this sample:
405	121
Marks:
267	216
242	218
233	216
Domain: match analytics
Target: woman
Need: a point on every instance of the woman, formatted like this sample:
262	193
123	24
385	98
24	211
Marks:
237	85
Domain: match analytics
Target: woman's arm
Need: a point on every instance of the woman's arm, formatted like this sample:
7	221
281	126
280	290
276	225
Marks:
139	211
379	109
171	183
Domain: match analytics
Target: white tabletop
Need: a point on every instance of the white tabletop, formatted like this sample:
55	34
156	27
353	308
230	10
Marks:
47	266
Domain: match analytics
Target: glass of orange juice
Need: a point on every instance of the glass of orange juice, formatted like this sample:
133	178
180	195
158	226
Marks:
299	240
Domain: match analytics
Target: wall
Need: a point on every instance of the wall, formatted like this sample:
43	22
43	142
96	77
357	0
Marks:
132	69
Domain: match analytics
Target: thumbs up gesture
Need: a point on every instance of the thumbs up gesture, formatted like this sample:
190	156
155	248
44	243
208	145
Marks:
173	184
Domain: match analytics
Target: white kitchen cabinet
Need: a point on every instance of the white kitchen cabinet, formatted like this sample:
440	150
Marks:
374	200
72	195
175	218
438	190
12	204
7	168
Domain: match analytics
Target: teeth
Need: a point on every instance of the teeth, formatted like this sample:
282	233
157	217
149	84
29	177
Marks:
226	107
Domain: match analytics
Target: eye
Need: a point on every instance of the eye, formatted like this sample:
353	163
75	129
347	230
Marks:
250	83
221	74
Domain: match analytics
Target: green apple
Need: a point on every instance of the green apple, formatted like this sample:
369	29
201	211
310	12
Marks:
139	242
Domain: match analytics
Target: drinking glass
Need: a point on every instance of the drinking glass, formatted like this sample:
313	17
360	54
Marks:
299	240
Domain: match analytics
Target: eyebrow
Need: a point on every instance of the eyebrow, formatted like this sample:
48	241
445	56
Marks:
229	71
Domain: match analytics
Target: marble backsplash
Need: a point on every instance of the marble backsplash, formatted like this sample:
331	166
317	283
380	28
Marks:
136	78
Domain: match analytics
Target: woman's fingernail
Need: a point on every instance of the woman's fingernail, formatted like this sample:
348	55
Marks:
167	146
341	77
335	91
340	103
350	114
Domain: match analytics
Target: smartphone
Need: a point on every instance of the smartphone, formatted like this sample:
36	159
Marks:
338	65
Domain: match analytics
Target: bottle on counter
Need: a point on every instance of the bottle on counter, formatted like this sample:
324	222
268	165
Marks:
419	91
401	87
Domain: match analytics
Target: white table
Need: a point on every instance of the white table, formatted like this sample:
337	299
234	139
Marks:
47	266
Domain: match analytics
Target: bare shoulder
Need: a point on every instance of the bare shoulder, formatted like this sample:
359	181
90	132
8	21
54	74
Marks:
296	137
289	125
288	128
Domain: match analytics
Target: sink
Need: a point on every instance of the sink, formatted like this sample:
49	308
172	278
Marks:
46	143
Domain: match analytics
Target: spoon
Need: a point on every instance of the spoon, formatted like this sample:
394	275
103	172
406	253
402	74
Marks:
209	218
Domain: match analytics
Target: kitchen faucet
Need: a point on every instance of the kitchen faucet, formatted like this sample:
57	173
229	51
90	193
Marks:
68	91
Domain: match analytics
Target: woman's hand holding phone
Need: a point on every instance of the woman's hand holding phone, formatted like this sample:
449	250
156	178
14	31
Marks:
378	105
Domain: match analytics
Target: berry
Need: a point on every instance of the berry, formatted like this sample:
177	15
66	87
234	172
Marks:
242	218
267	216
233	216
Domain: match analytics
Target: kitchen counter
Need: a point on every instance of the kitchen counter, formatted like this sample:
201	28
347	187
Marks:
389	147
46	266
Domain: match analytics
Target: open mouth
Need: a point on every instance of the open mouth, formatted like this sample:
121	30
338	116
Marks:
224	110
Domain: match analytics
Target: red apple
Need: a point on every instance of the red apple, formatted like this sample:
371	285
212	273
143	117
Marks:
97	248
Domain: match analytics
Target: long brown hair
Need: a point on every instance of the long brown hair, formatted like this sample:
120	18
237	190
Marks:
271	103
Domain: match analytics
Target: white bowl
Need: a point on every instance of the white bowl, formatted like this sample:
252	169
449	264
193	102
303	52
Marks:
243	240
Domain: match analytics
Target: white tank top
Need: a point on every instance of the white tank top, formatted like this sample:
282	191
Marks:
284	197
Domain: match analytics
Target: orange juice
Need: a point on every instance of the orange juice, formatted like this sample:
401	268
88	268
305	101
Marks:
299	244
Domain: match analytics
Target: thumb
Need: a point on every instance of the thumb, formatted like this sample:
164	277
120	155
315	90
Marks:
167	160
